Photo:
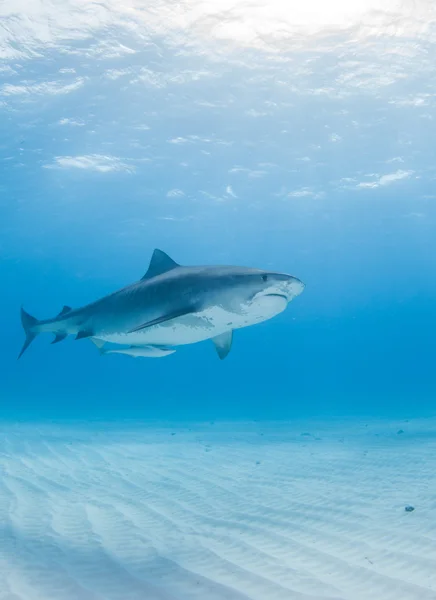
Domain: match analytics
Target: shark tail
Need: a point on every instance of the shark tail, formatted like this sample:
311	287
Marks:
99	344
29	323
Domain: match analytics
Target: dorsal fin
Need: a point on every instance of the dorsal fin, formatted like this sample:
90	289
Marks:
159	263
65	310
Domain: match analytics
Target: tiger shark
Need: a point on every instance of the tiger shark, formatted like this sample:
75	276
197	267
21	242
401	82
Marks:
174	305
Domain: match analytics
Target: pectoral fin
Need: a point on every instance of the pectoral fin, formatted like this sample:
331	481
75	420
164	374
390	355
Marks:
223	343
167	317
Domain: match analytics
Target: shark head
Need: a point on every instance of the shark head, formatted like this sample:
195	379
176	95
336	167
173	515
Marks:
276	285
260	295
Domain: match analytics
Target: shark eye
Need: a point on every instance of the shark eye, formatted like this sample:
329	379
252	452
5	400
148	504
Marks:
264	277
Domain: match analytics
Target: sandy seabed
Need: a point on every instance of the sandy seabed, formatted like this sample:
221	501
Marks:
260	511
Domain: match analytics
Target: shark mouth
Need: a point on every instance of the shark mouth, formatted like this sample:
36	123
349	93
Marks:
277	295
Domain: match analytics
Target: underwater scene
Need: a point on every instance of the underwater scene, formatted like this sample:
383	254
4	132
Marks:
218	275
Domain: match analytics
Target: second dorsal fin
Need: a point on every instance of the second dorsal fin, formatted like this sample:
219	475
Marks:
159	263
65	310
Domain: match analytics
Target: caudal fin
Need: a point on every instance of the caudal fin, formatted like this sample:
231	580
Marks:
28	323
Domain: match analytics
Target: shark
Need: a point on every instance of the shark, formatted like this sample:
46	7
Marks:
174	305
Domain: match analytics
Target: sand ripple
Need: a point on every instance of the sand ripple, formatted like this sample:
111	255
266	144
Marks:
218	512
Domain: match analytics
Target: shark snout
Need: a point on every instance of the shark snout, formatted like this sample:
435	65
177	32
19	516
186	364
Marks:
296	287
285	286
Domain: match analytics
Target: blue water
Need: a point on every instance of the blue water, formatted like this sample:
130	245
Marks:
221	138
283	135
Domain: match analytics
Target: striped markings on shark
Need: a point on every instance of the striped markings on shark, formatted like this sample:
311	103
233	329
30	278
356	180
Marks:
173	305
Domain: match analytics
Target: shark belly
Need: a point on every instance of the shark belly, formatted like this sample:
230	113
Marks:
199	326
188	329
